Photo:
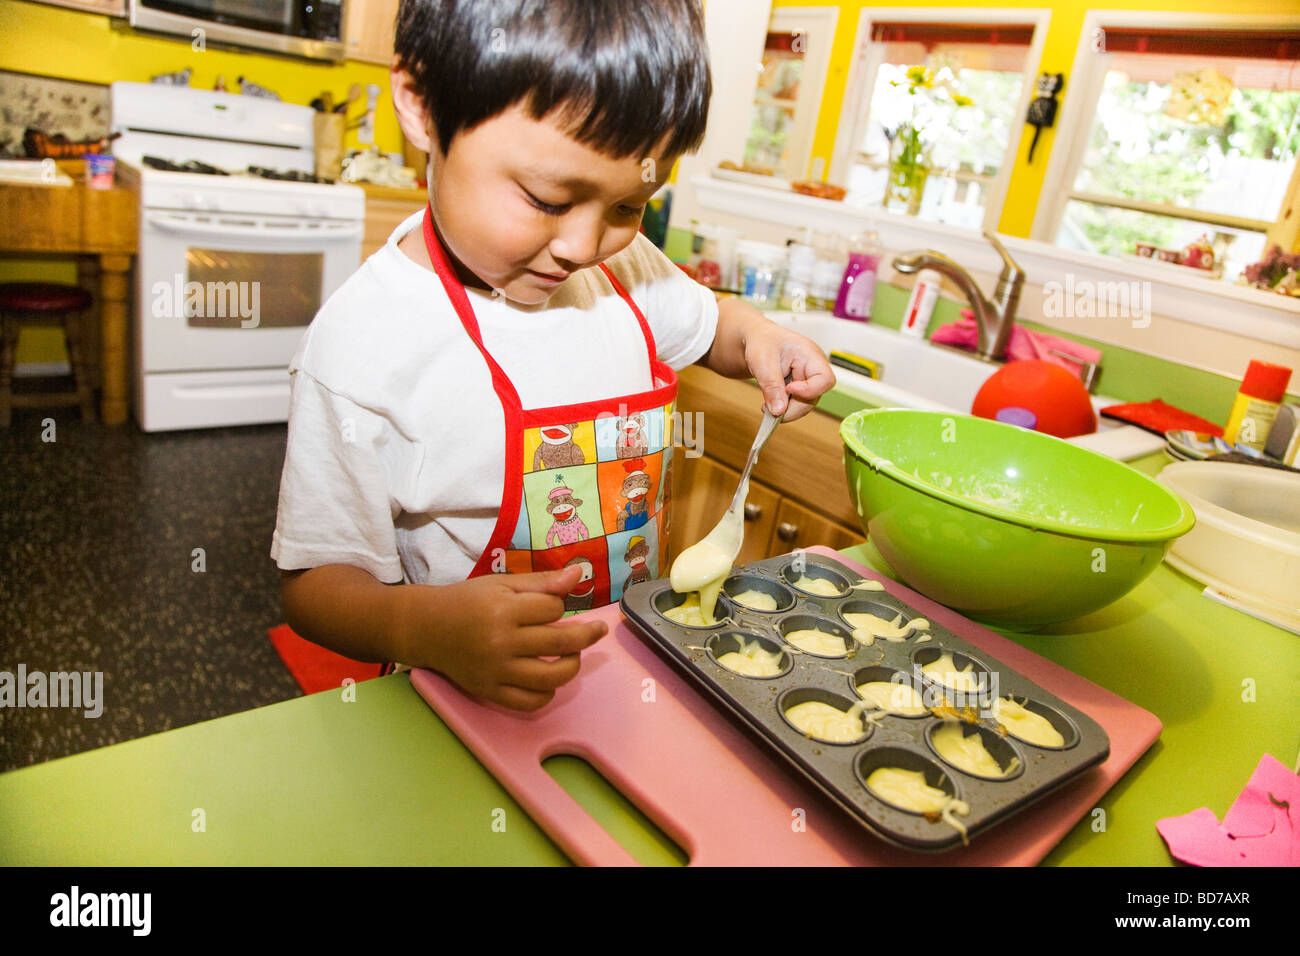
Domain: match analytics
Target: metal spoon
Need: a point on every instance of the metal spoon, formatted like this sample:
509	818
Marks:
710	558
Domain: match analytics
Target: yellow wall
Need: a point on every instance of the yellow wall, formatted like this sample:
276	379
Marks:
1058	57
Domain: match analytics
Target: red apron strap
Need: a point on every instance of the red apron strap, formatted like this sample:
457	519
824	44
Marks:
505	389
645	326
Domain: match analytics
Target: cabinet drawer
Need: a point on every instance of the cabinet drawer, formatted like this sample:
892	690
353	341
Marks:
702	490
798	527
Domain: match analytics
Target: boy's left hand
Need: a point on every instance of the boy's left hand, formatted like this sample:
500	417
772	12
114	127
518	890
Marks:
790	368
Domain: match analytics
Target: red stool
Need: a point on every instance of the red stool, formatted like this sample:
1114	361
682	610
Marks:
45	303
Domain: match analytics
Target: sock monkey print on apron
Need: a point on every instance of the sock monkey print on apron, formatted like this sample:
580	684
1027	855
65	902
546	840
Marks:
586	484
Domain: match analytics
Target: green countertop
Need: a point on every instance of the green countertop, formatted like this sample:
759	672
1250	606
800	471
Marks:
320	780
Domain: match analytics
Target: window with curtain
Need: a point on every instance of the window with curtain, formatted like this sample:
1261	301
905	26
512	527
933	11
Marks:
964	146
1193	134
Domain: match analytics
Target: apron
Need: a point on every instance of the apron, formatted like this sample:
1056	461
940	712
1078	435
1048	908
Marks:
587	483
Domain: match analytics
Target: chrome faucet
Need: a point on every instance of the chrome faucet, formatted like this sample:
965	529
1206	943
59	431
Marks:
993	318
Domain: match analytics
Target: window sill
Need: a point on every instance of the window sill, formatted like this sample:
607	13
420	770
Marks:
1212	303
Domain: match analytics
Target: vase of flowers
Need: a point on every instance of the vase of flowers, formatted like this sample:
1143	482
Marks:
909	144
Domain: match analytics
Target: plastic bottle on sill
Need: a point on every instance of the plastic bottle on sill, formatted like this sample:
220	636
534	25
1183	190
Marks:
800	262
858	287
920	307
828	267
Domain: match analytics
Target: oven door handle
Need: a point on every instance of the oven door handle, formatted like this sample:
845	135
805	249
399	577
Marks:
253	229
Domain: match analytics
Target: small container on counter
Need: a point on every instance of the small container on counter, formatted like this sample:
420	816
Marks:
1256	405
826	283
99	171
760	271
858	284
801	262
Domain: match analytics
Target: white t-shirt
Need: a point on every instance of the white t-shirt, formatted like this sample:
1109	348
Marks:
396	441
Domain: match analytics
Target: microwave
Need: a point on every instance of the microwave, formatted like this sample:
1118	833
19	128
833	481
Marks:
307	28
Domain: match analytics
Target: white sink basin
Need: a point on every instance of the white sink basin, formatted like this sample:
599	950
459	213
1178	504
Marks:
916	374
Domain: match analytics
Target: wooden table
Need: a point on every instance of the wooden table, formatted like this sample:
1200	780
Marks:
100	228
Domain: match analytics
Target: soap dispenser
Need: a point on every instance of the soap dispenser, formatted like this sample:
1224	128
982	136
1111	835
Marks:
858	287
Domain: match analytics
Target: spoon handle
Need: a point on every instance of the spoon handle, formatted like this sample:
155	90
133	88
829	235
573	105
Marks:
765	430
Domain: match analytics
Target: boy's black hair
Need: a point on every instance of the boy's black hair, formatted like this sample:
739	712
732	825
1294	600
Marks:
625	74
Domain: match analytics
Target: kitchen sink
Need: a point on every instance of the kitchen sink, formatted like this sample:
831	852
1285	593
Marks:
916	374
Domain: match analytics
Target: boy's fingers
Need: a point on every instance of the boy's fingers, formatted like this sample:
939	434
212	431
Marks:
535	608
556	640
559	582
531	673
771	380
517	698
797	410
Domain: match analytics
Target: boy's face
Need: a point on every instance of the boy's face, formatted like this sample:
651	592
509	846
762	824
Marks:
519	205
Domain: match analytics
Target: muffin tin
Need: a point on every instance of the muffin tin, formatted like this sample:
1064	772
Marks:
758	704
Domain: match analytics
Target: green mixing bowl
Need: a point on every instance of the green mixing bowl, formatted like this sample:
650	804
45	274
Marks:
1008	526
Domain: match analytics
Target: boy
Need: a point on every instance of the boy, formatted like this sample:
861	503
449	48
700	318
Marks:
520	320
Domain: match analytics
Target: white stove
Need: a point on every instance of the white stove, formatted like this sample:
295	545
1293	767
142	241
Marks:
232	268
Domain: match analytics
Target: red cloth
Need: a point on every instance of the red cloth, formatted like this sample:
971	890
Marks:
317	668
1156	416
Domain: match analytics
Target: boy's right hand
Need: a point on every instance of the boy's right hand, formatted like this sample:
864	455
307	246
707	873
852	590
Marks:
490	633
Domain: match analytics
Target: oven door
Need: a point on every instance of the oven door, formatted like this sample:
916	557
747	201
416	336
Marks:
235	291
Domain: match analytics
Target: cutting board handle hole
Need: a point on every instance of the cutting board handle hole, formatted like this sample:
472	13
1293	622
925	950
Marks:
620	817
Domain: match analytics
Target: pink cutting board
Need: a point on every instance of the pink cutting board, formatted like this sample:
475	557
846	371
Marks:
722	797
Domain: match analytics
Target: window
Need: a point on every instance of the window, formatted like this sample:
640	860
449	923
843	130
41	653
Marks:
1183	134
966	149
791	75
775	103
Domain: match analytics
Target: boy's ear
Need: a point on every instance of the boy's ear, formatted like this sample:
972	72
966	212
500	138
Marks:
412	115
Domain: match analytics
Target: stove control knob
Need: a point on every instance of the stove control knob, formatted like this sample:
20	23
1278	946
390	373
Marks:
196	201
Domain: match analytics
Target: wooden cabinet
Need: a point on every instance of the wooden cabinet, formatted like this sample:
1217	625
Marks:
114	8
386	209
369	30
702	490
798	496
800	527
